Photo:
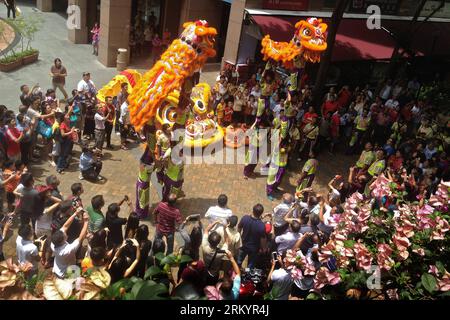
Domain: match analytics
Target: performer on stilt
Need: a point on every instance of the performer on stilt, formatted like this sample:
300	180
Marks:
163	142
251	156
174	173
279	156
308	173
268	87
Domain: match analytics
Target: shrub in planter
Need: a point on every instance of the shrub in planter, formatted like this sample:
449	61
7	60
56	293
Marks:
30	56
27	29
10	62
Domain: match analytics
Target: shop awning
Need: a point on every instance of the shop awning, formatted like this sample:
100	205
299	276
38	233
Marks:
354	41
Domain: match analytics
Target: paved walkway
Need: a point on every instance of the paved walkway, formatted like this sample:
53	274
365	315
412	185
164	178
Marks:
52	42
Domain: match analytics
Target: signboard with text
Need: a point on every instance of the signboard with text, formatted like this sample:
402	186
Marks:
286	4
386	6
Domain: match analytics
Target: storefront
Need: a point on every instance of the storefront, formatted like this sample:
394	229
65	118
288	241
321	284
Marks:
358	51
148	12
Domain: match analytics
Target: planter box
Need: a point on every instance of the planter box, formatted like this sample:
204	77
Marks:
6	67
31	58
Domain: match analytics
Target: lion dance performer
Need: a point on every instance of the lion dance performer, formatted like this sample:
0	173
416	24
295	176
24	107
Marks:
307	45
180	61
151	103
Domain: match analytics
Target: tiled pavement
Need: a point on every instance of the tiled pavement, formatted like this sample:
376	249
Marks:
203	183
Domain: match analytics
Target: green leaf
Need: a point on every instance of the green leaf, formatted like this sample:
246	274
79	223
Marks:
429	282
440	267
313	296
404	294
170	260
150	290
349	243
185	259
151	272
126	283
159	256
128	296
137	287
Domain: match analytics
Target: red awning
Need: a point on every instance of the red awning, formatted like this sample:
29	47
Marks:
354	41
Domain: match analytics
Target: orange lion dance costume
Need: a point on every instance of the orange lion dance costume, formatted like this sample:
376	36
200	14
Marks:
181	60
307	45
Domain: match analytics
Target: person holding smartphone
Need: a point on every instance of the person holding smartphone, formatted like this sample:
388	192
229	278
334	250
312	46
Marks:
227	287
279	278
213	254
115	223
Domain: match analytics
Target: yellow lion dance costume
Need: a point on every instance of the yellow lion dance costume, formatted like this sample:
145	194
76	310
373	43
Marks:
181	60
157	95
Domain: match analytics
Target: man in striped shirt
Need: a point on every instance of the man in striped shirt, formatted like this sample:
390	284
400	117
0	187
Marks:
167	217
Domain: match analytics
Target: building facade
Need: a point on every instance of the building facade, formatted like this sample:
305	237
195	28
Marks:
242	23
117	19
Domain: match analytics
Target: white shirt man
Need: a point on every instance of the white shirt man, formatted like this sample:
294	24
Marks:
218	213
86	84
124	114
27	251
280	211
256	93
65	253
286	241
65	256
99	121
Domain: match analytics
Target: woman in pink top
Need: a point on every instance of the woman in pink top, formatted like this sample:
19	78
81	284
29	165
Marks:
95	38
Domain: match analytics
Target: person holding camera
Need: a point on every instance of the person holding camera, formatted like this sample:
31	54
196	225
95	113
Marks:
192	241
65	252
90	165
114	223
280	279
213	254
122	265
227	288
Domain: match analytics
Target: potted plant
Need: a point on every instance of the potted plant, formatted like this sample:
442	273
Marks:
10	62
27	29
